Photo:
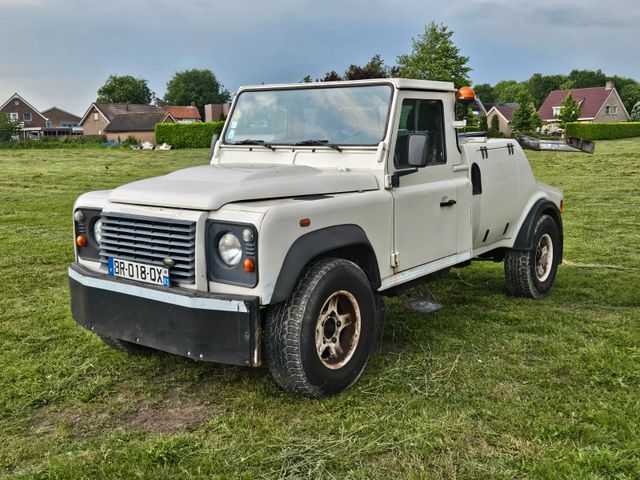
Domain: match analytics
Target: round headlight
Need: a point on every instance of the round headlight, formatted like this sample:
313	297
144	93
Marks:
230	249
97	230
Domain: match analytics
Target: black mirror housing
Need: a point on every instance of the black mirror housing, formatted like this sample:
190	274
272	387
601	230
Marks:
418	146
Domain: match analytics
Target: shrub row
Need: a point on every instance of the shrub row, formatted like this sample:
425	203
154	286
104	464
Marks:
52	142
603	131
187	135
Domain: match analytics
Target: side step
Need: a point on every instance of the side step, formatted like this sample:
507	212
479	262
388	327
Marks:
420	299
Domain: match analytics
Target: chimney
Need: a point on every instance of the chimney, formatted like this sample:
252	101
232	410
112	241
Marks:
609	85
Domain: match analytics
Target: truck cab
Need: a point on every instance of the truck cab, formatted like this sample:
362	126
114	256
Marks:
319	200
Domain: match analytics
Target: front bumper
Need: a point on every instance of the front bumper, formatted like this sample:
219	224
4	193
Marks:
198	325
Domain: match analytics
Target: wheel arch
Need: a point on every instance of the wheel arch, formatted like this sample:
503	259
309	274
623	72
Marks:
344	241
544	206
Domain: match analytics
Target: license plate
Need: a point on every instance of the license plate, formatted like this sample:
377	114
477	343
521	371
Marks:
138	271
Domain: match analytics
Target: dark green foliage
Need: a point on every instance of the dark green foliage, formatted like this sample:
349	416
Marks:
570	111
635	113
307	79
540	85
494	131
630	95
47	143
434	56
331	76
187	135
125	89
483	123
485	93
507	91
8	128
525	117
587	78
197	85
603	131
375	68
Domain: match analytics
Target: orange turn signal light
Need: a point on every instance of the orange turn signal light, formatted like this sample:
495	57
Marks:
561	207
466	95
305	222
81	240
249	265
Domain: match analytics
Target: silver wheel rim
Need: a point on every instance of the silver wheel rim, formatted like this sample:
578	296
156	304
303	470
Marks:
338	330
544	257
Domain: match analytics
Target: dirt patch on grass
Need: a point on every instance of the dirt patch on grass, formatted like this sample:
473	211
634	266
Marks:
171	415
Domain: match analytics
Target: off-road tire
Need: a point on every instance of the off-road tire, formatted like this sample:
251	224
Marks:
291	326
520	266
127	347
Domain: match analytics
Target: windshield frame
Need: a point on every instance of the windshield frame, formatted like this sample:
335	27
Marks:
336	85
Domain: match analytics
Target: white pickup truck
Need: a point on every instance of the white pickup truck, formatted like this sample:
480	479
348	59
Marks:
319	200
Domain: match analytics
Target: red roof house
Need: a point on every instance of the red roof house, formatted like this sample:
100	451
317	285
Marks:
184	114
597	104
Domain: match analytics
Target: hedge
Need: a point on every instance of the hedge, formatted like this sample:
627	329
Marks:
187	135
603	131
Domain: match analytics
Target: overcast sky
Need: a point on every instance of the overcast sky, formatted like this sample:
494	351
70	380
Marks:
59	52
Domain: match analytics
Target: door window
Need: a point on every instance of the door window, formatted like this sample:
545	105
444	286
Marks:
421	116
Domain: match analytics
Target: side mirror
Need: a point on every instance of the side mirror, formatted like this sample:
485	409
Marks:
214	139
418	147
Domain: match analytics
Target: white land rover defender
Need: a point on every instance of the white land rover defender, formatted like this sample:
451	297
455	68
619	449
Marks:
319	200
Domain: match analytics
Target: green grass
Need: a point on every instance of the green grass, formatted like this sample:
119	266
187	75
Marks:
488	387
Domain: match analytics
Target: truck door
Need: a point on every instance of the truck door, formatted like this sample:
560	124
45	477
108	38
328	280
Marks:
429	205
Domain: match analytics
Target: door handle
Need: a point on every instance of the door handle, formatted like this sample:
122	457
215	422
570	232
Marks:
447	203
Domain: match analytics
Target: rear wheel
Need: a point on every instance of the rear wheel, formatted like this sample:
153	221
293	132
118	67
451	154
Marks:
320	339
532	273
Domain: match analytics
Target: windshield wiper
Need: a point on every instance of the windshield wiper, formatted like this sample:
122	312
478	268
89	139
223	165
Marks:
261	143
319	143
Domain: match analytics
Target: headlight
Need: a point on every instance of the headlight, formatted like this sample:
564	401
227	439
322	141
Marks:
230	249
97	230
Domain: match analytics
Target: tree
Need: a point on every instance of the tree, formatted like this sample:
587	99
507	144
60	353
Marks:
307	79
587	78
494	130
331	76
540	85
570	110
635	113
125	89
630	95
375	68
8	128
483	123
434	56
525	117
507	91
197	85
484	92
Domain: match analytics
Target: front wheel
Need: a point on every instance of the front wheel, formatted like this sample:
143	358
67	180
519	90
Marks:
320	339
532	273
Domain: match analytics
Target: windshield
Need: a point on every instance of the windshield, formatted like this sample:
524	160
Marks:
334	115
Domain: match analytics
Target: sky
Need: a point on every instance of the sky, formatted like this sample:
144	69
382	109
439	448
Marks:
59	52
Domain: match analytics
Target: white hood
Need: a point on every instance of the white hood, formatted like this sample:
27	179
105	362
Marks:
210	187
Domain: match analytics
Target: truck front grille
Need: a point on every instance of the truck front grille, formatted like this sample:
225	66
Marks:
150	240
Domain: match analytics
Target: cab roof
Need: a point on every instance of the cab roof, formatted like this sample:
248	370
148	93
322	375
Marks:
398	83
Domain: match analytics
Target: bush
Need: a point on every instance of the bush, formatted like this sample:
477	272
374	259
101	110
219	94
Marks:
603	131
187	135
52	142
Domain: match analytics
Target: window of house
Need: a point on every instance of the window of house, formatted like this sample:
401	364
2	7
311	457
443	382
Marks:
607	110
48	124
556	111
421	116
95	116
615	109
26	117
13	115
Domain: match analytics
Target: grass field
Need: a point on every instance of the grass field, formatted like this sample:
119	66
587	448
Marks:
488	387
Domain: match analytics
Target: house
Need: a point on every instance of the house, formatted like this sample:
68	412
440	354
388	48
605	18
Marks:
99	115
181	114
140	125
31	120
214	112
60	123
597	104
504	113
